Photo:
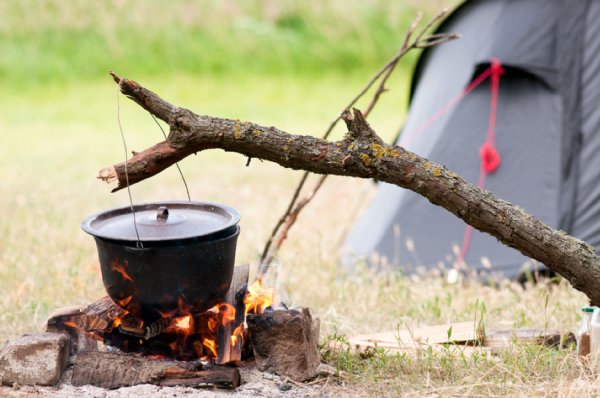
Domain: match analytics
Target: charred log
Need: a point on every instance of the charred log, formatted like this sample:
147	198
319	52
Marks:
230	348
68	321
100	316
112	370
218	376
285	342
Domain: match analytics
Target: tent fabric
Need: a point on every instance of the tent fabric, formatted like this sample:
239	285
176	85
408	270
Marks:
546	133
586	223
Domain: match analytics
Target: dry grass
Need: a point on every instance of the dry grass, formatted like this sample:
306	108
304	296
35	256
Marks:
47	165
56	137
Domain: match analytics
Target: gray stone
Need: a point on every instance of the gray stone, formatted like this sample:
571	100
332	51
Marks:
35	359
285	342
326	370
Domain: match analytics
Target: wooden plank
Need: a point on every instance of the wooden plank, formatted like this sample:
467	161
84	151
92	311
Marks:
463	334
456	333
500	339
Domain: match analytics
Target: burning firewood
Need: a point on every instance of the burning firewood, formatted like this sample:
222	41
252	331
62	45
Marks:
152	352
230	336
218	334
69	321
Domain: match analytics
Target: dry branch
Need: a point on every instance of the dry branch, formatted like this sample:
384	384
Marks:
360	154
411	41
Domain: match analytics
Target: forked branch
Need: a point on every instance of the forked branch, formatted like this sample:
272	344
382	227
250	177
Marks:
360	154
411	41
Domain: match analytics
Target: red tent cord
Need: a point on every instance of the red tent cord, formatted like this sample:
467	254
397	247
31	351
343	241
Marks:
490	158
446	107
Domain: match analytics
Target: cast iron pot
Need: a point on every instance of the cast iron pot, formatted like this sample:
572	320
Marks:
183	260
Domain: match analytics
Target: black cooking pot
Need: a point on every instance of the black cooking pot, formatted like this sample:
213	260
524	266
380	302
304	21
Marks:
183	260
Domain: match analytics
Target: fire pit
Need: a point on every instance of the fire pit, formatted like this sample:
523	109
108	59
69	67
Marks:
177	310
167	257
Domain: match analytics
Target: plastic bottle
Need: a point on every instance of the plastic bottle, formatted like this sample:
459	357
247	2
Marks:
595	332
584	333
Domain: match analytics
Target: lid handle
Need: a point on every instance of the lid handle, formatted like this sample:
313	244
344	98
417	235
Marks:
162	213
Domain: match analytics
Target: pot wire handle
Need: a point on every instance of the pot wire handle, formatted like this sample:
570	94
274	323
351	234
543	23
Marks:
138	244
187	190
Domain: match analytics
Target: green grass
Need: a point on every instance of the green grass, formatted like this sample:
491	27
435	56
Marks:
520	370
290	64
56	139
56	41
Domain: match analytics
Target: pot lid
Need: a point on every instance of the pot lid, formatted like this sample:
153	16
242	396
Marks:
161	221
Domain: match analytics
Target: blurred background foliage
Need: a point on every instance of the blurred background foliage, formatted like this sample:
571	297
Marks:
286	63
54	41
291	64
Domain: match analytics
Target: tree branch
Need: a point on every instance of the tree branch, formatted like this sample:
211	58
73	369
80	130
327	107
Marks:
286	221
362	154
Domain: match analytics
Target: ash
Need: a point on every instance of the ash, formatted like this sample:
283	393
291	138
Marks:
254	384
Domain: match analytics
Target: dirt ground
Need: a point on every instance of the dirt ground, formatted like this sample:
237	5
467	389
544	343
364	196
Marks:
255	384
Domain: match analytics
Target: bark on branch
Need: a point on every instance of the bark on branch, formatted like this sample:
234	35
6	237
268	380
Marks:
360	154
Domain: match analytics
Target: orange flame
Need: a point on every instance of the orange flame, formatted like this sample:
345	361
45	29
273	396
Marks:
72	324
227	313
123	302
212	324
258	298
183	308
199	335
238	334
184	325
184	322
211	345
121	270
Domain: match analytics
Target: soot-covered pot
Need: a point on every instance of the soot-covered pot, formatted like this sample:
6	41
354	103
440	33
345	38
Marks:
183	259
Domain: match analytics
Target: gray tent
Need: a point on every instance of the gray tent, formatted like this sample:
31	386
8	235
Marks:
547	132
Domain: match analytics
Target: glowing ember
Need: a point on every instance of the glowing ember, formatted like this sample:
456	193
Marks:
198	349
72	325
184	322
258	298
183	306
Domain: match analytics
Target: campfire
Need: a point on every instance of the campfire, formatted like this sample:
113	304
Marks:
217	335
177	312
